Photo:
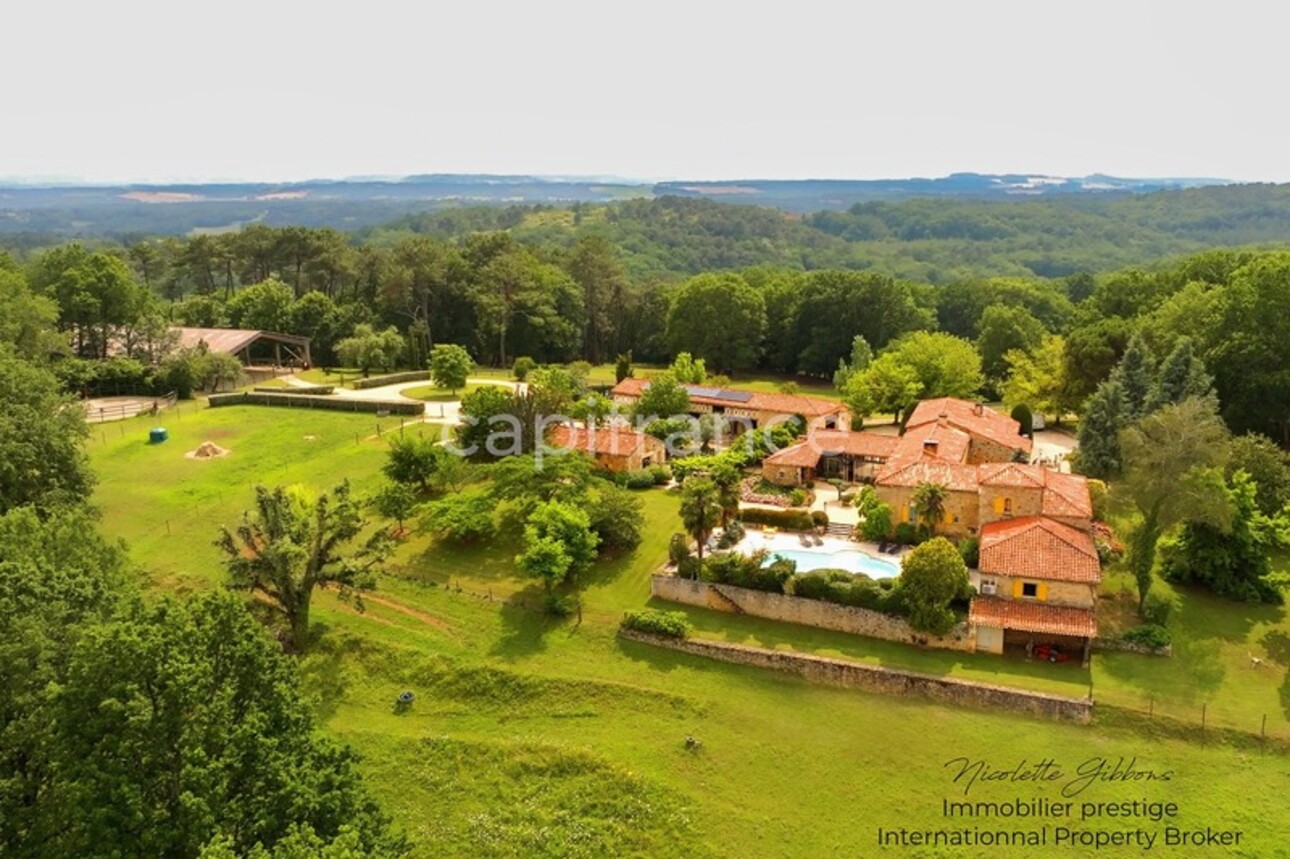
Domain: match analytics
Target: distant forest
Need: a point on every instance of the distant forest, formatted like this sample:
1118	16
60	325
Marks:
933	240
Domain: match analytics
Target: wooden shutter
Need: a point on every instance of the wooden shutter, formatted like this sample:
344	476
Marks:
1016	588
998	505
1042	591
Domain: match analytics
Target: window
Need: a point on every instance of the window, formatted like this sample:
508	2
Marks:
1030	590
1007	507
645	461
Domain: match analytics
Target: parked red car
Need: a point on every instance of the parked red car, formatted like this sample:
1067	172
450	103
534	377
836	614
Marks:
1051	653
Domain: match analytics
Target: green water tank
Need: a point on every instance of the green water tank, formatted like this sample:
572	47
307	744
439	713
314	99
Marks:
157	435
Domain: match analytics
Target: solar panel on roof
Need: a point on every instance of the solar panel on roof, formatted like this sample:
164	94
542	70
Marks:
718	394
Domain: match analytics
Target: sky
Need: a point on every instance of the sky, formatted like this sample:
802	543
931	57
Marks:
277	90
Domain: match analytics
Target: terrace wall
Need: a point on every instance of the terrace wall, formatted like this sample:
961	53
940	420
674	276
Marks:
885	681
818	613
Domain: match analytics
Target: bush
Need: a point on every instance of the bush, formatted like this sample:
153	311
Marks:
877	523
1148	635
846	499
907	534
462	518
688	568
797	498
559	606
1156	609
662	474
670	624
1098	494
970	549
521	368
730	535
820	519
747	571
1021	414
643	479
789	520
616	515
678	549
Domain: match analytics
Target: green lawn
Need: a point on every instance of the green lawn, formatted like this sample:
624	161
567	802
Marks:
433	394
531	736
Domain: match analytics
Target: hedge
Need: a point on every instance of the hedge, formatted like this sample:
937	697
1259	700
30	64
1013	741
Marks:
391	379
1149	635
790	520
672	624
302	390
336	404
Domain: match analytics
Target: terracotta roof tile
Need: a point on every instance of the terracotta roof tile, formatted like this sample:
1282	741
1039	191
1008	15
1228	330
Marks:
988	424
904	472
1064	495
611	440
946	442
807	453
785	404
1039	548
798	456
1032	617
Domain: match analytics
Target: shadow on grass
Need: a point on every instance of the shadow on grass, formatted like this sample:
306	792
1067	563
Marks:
525	624
1277	645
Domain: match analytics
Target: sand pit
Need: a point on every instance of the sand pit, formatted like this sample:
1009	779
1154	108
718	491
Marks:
207	450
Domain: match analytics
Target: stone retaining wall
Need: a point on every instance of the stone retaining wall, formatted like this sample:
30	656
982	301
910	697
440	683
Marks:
1131	647
818	613
885	681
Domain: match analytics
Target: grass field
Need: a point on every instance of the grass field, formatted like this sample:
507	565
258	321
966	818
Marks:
531	736
432	394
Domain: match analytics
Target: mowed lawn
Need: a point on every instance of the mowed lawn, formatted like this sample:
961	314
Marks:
534	736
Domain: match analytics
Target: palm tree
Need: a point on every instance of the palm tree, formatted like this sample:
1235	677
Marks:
727	478
700	509
929	500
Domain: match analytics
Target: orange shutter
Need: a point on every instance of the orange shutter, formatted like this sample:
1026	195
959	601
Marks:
1016	589
1043	590
998	505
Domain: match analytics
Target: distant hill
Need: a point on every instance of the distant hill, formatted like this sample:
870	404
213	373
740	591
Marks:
64	210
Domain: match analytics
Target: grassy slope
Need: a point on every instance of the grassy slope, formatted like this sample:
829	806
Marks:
559	738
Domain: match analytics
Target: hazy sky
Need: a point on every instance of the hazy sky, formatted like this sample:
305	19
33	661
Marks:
283	90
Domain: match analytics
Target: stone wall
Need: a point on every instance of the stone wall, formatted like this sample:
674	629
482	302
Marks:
1131	647
885	681
818	613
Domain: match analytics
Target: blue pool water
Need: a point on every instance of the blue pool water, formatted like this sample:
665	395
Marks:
851	560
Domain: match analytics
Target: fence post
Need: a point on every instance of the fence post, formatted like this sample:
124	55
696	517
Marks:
1263	732
1151	707
1203	707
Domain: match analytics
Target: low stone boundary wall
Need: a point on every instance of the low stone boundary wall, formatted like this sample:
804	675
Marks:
884	681
391	379
306	401
818	613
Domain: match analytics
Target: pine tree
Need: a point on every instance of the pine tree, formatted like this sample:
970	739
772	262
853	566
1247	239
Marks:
1183	375
1135	376
1105	415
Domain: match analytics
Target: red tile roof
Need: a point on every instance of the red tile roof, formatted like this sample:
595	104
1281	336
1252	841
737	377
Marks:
904	472
785	404
972	418
1030	616
1039	548
949	443
611	440
807	453
1064	495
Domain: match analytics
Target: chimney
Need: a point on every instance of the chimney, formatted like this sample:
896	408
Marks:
930	446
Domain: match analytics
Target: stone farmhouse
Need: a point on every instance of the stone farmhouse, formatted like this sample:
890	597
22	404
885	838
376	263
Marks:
614	448
745	410
1038	572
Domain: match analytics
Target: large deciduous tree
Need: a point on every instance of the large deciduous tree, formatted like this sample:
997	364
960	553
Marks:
1173	462
294	542
41	430
718	318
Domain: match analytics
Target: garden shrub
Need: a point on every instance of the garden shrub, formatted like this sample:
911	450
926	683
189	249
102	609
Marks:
678	549
790	520
730	535
820	518
661	473
688	568
797	498
671	624
643	479
522	367
877	523
1156	609
746	571
1148	635
846	499
907	534
1098	495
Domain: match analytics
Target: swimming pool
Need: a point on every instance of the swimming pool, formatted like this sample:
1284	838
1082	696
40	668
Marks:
851	560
